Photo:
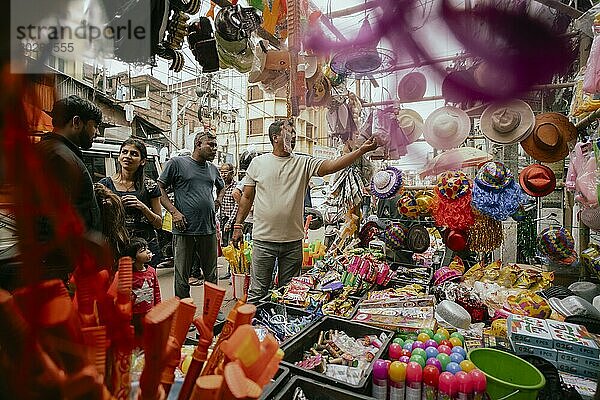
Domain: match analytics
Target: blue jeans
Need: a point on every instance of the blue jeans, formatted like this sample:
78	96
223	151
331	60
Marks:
190	248
289	256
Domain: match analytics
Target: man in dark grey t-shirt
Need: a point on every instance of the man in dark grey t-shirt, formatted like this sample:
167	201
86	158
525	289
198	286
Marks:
194	226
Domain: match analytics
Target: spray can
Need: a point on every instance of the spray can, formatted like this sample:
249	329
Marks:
465	386
446	386
397	377
479	383
431	376
414	378
380	380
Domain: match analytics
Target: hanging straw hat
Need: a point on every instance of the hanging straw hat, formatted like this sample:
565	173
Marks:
537	180
412	87
507	123
410	123
447	127
550	137
386	183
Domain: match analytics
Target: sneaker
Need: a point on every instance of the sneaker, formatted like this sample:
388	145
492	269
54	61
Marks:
220	316
226	276
193	281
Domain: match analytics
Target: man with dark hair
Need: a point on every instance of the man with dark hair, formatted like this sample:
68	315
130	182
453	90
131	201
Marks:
276	184
194	223
75	122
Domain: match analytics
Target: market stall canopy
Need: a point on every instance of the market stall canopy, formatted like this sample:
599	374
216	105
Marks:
37	119
455	159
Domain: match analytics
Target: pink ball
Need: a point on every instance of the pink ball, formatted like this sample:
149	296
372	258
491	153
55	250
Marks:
444	349
404	359
418	344
435	362
431	343
395	351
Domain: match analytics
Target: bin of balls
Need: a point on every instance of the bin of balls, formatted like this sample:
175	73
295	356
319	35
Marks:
338	352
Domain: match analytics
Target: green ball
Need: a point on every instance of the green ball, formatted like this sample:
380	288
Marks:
438	337
419	352
418	359
427	331
399	341
444	360
408	341
459	336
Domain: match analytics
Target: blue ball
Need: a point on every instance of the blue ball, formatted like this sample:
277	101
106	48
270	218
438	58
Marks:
453	368
408	345
456	357
460	350
431	352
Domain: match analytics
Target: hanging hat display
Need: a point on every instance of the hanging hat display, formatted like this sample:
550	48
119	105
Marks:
456	240
507	123
485	235
453	204
411	124
537	180
386	183
407	205
549	139
425	201
395	236
447	127
412	87
557	244
418	239
495	192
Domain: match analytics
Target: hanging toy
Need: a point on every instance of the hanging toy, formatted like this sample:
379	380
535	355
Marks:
453	201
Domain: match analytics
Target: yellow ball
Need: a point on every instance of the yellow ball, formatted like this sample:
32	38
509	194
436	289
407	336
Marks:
443	331
455	341
467	365
423	337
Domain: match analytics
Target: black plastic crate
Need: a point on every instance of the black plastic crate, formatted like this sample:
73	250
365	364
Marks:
316	391
292	311
273	387
295	349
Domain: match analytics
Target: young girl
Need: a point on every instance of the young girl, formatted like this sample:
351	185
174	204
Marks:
145	290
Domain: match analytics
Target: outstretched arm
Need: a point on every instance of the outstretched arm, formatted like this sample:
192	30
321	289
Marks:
330	166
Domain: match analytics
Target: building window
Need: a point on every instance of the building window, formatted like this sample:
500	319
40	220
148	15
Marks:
310	131
281	92
255	126
254	93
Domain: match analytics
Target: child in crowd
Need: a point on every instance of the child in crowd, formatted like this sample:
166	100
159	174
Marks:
145	289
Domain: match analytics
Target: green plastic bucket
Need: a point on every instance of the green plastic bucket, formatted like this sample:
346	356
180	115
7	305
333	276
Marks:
508	377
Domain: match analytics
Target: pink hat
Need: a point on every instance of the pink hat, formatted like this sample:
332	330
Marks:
447	127
444	274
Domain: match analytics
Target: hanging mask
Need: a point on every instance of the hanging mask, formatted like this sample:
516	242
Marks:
235	23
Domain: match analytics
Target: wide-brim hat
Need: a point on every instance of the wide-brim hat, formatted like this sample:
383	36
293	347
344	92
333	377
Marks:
507	123
267	60
237	55
453	314
493	175
549	138
386	183
412	87
411	124
585	290
418	239
590	216
537	180
447	127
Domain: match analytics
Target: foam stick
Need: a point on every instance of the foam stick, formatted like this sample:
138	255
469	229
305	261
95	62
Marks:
270	370
121	323
157	325
213	298
198	358
208	387
243	345
240	314
179	329
94	338
237	385
268	348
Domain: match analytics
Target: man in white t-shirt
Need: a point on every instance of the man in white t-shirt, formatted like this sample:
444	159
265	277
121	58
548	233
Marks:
276	184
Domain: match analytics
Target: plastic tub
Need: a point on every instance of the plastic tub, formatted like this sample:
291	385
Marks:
316	391
508	376
295	348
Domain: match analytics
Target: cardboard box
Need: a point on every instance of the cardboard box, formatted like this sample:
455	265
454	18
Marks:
573	338
547	354
577	359
408	319
577	370
529	331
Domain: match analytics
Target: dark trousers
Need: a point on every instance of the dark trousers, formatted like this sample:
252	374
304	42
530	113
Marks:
289	258
188	249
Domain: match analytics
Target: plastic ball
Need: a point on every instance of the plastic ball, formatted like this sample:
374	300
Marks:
444	359
438	338
418	359
408	345
453	367
405	352
444	349
431	351
456	357
427	331
418	345
399	341
395	351
423	337
431	376
455	341
459	336
419	351
460	350
467	365
446	342
404	359
435	362
397	371
431	343
443	331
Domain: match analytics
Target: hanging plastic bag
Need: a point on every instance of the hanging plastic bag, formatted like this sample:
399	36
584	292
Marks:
591	80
